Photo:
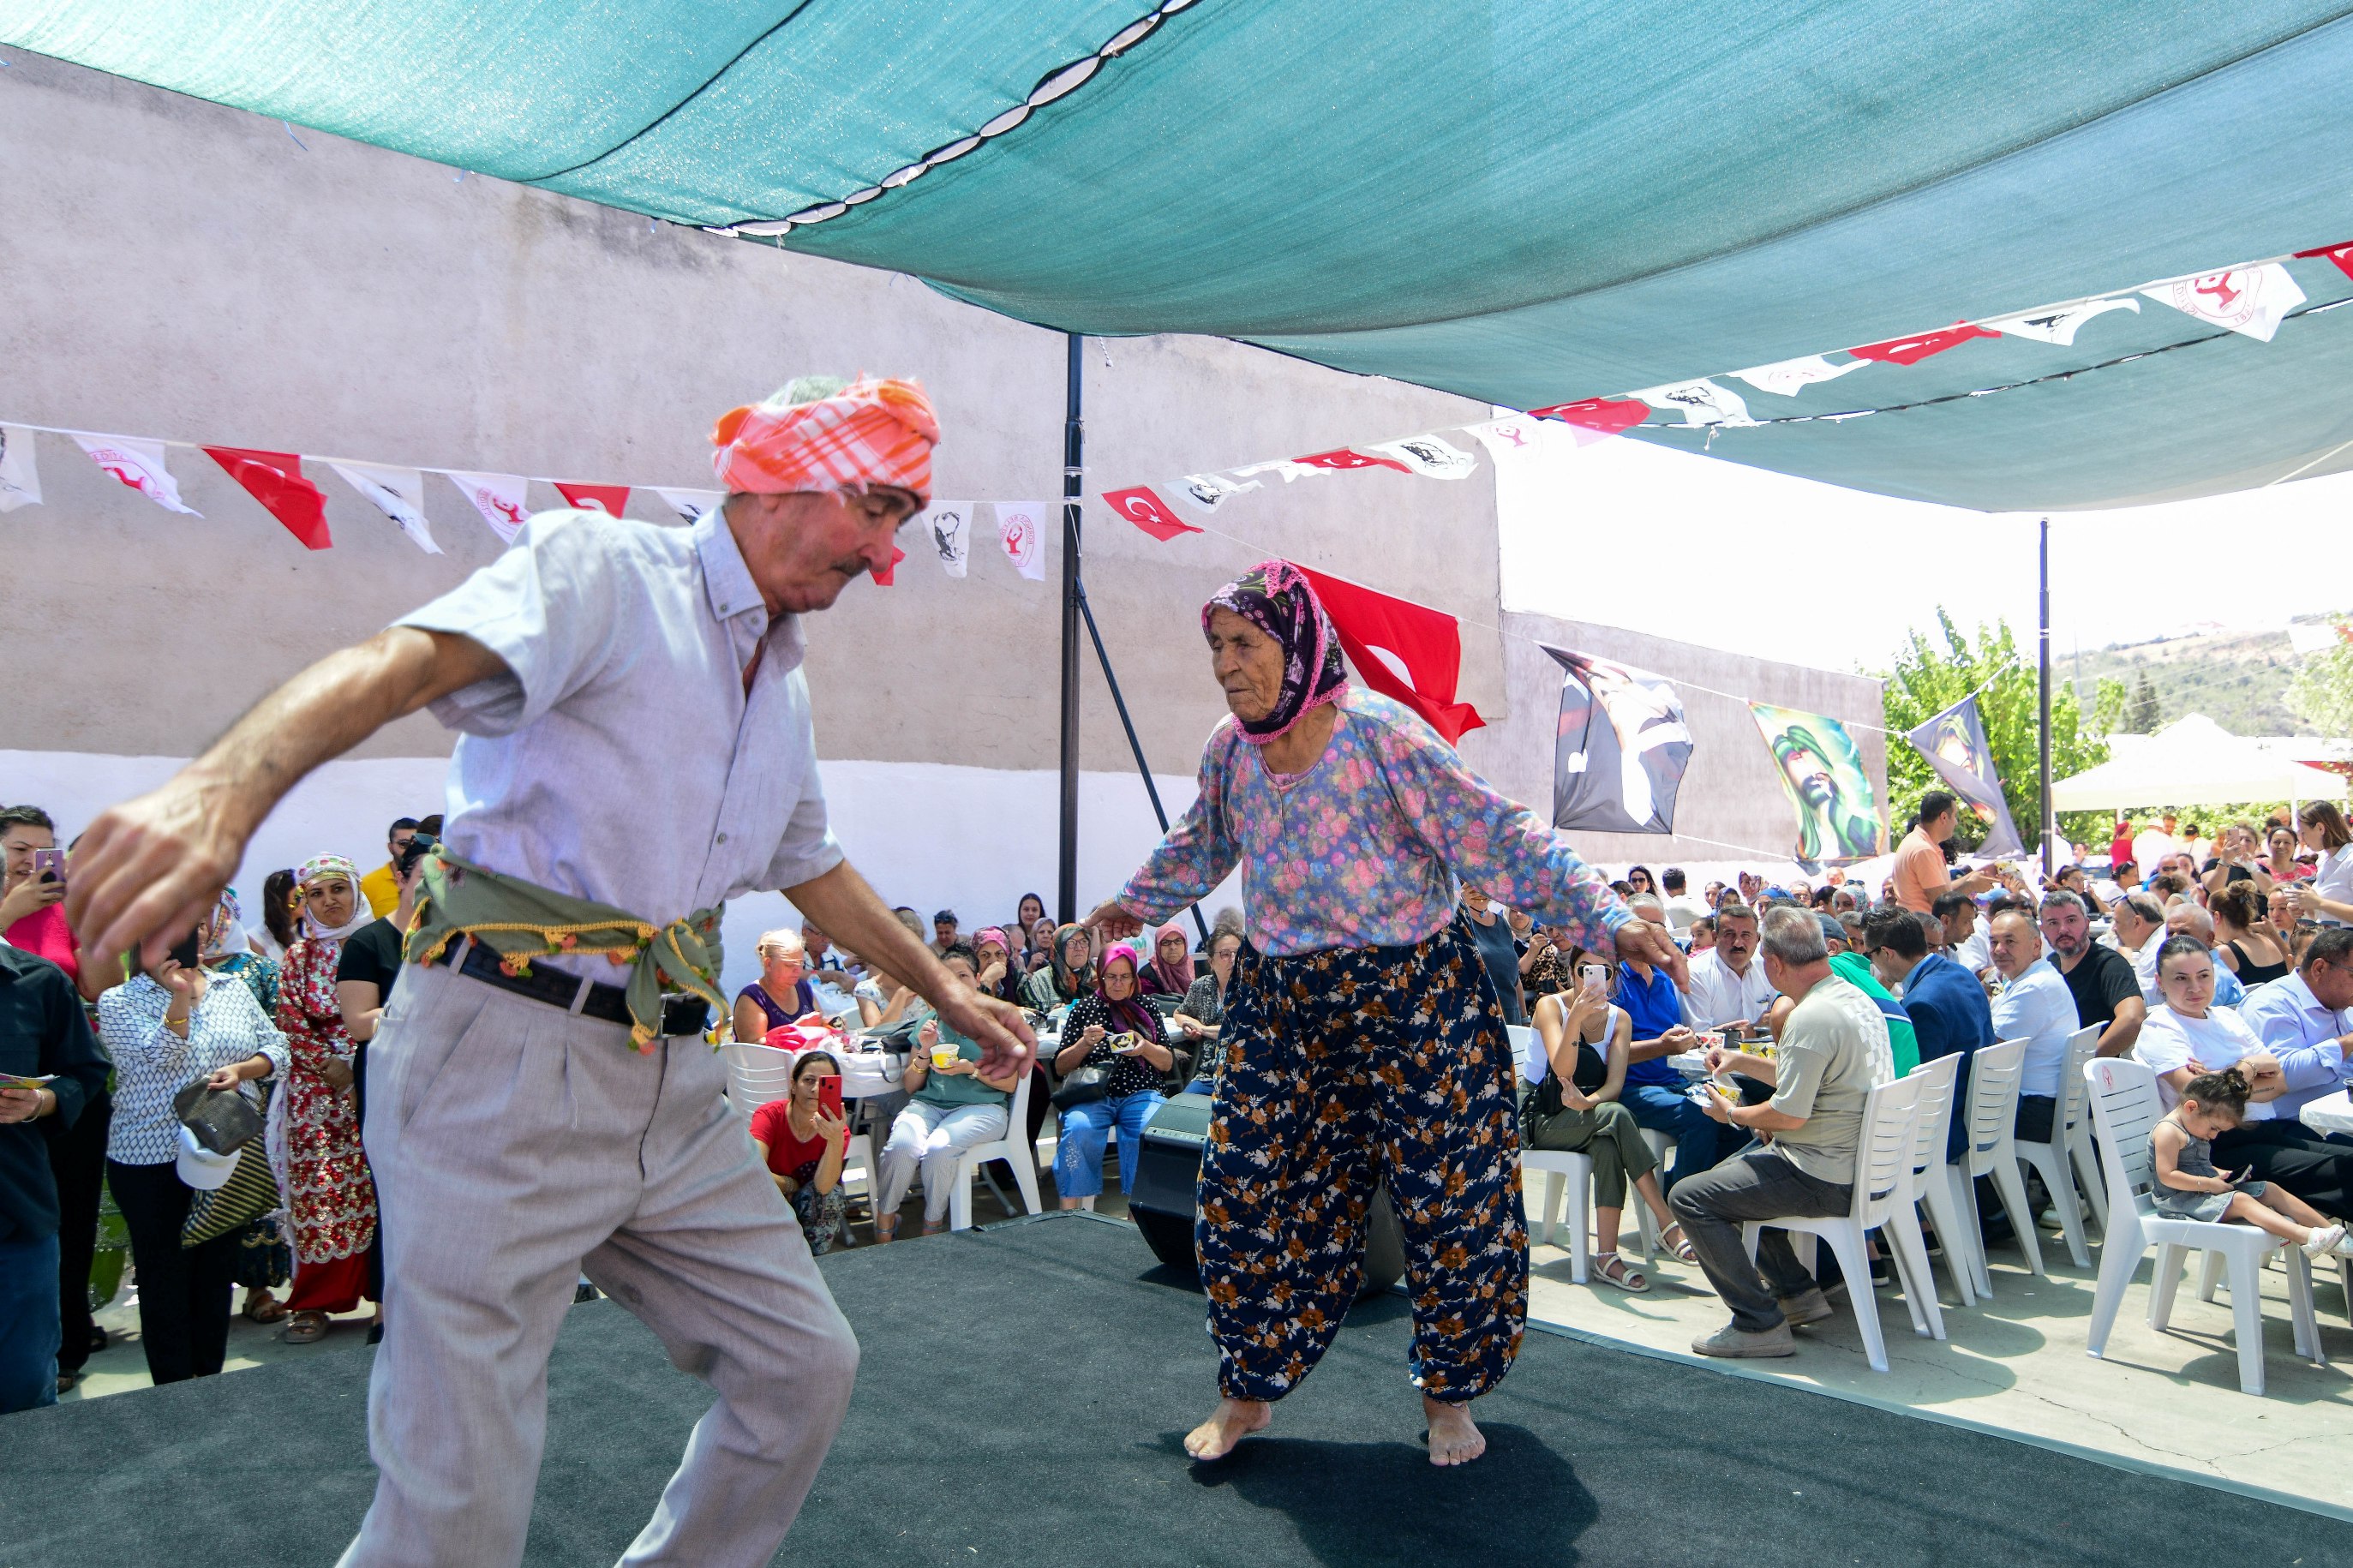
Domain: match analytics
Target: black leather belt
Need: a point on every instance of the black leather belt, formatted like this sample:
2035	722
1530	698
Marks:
609	1004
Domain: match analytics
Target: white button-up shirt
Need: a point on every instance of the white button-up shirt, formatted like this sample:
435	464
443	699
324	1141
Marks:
620	759
1717	996
2293	1026
152	1063
2038	1008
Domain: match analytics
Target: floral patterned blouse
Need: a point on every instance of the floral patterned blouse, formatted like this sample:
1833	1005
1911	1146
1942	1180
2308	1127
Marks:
329	1193
1365	848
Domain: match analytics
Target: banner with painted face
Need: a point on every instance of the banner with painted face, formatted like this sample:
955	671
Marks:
1822	774
1621	750
1954	742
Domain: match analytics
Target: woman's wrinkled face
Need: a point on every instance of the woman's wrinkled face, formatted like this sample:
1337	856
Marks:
1119	979
1172	947
1042	934
328	900
1248	665
990	952
780	968
1076	951
1222	952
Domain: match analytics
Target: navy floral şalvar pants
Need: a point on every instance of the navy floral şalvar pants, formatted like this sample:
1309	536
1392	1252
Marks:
1341	1067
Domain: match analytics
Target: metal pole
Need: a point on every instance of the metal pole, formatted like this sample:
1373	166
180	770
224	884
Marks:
1073	471
2049	816
1150	788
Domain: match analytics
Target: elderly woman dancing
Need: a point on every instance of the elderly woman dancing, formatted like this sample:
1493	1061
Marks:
1362	1038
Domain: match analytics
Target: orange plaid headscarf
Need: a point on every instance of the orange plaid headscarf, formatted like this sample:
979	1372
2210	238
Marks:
836	436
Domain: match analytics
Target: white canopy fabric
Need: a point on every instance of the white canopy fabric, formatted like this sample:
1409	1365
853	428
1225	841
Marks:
2193	762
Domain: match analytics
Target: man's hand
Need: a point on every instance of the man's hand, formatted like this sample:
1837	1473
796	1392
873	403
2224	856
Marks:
337	1071
30	896
1646	943
1716	1107
1112	919
1678	1038
22	1104
1007	1046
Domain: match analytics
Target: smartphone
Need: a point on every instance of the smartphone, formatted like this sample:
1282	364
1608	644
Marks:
49	864
185	952
1593	973
828	1097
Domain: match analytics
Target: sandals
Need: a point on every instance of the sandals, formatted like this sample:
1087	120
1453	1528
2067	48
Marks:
261	1308
306	1328
1614	1271
1681	1248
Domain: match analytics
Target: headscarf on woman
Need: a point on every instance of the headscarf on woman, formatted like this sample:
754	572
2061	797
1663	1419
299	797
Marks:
1049	988
1175	979
225	935
318	868
1008	986
1275	598
1134	1016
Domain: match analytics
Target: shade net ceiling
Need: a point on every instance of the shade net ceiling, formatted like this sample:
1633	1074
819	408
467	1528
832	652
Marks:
1524	203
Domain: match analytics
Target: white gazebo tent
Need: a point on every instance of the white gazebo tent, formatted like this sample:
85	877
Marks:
2191	761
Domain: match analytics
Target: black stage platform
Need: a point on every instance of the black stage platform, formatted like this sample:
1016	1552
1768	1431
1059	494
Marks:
1021	1401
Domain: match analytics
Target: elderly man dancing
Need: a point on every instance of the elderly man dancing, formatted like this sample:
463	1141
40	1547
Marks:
1362	1038
527	1118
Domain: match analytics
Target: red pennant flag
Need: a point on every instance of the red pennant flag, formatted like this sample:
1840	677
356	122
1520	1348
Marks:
2342	255
1404	650
886	574
1607	416
610	500
1341	457
1148	513
1912	351
275	480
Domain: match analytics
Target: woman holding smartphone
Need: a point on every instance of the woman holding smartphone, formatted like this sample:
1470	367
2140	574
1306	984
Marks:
1570	1103
802	1139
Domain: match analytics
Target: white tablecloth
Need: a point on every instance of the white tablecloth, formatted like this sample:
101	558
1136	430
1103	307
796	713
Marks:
2329	1113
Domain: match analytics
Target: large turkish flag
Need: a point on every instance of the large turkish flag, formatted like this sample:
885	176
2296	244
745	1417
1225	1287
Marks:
275	480
1402	649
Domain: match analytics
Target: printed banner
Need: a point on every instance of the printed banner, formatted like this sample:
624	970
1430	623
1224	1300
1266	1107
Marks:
1701	402
1402	649
1429	457
2060	324
691	505
140	465
398	493
1912	350
1822	774
1791	376
502	499
275	480
1592	419
1622	748
2250	300
610	500
1021	533
20	477
948	525
1954	742
1211	492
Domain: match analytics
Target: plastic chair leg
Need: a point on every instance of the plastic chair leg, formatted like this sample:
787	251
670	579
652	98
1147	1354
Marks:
2301	1318
2121	1251
1025	1176
1553	1183
2090	1178
960	1199
2013	1188
1961	1247
2247	1317
1847	1246
2164	1280
2209	1275
1911	1267
2051	1164
1973	1225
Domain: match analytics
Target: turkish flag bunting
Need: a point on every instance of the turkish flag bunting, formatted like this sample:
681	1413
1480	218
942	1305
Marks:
885	574
1600	415
1341	457
2342	255
1148	513
275	480
1912	351
610	500
1402	649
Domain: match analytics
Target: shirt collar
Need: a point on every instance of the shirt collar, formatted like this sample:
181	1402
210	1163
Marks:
727	583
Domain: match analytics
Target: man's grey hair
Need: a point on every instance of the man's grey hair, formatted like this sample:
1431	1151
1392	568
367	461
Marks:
2195	922
2146	906
2061	899
1793	936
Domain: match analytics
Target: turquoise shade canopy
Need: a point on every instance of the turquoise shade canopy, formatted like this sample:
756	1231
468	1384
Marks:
1526	202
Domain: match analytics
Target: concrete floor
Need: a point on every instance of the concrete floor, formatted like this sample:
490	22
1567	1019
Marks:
2015	1363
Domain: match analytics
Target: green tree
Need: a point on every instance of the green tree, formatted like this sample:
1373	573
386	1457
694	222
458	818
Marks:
1931	675
2322	692
2143	713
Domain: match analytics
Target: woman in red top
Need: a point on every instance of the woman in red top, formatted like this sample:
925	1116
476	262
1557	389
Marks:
32	905
803	1148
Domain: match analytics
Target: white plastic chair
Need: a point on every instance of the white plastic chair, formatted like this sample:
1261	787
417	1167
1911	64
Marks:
1568	1177
1883	1183
1990	1148
1013	1149
1933	1181
2124	1106
756	1073
2053	1161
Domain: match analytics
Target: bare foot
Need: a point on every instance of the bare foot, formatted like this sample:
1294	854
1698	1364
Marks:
1235	1419
1454	1438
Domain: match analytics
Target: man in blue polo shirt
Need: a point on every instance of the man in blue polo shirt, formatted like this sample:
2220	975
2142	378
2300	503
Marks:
1945	1003
1654	1092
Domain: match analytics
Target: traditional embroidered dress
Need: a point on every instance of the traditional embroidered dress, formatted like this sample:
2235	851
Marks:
330	1196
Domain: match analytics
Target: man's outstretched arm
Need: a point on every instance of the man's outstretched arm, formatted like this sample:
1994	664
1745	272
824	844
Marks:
149	869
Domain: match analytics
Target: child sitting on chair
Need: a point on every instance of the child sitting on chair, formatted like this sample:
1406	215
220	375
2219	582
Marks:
2189	1186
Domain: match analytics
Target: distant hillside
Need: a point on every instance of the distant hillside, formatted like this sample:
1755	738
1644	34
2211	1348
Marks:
2234	678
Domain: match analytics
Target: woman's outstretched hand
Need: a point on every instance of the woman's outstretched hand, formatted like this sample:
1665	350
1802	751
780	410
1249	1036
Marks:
1647	943
1112	919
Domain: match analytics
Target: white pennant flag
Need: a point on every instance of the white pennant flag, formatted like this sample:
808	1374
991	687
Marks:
398	493
502	499
2058	326
2250	300
1429	457
1021	530
140	465
1701	402
20	480
691	505
949	523
1289	470
1516	437
1211	492
1790	376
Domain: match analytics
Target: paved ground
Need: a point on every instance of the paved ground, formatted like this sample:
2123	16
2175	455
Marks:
2016	1363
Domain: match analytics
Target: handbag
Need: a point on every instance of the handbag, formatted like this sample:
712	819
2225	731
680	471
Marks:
1084	1086
223	1121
